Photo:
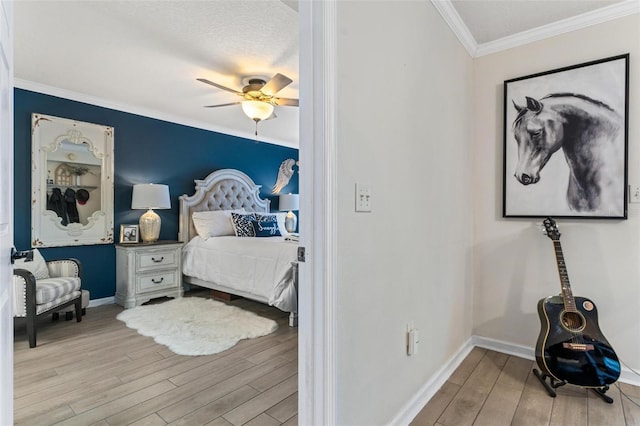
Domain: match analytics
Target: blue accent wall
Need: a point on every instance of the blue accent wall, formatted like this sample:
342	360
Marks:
145	150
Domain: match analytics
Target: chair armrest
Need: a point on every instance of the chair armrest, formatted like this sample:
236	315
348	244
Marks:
24	289
64	268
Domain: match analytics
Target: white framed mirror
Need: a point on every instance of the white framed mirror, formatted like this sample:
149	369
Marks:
72	182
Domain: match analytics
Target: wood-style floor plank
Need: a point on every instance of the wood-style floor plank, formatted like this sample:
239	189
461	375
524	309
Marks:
535	403
603	414
437	404
466	367
469	400
263	402
502	401
630	398
102	373
217	408
491	391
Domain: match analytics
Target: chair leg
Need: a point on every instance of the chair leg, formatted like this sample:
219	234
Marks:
31	330
78	306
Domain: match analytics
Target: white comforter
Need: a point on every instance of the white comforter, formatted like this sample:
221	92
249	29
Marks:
258	266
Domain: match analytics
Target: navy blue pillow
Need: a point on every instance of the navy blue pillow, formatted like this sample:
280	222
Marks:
242	224
266	226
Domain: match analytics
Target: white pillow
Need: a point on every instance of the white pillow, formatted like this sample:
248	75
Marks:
215	223
38	266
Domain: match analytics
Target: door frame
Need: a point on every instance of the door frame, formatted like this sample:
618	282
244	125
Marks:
6	212
318	275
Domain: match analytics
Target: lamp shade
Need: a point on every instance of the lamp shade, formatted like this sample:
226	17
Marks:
257	110
150	196
288	202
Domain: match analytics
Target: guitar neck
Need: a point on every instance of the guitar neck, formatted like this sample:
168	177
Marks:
567	295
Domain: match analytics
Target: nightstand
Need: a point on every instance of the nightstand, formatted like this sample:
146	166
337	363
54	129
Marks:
145	271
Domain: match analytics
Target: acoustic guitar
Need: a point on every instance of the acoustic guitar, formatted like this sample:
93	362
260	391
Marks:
571	348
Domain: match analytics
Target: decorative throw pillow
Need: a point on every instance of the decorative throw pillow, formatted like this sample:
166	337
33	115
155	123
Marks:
242	224
38	266
214	223
266	226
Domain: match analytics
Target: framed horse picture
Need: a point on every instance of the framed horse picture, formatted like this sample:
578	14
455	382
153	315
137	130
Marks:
565	142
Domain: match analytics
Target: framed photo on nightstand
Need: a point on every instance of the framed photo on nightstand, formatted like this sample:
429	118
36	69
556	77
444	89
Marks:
129	234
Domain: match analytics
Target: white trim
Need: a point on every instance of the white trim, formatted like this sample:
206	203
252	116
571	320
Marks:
133	109
526	352
595	17
318	275
104	301
457	25
433	385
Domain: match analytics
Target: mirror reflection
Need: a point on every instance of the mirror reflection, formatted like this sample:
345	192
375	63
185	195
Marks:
73	183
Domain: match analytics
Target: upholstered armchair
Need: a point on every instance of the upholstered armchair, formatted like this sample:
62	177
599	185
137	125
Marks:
43	287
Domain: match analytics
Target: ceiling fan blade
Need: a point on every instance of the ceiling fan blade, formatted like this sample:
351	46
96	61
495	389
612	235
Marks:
287	102
221	105
277	83
272	116
204	80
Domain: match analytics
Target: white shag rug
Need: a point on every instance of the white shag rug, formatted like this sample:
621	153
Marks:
196	326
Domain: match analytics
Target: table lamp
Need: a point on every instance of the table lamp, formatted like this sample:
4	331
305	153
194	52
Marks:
289	202
150	196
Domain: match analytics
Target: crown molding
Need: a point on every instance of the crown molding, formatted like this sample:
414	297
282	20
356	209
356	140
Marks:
588	19
132	109
457	25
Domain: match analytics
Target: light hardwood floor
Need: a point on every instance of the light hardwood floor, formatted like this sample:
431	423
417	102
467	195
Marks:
99	372
494	389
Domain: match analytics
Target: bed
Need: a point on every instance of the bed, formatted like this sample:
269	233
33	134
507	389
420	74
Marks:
260	269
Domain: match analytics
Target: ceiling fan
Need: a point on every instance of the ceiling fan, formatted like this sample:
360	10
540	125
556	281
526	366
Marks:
258	96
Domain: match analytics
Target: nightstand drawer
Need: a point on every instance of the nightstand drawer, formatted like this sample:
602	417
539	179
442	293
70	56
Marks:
159	281
157	259
146	271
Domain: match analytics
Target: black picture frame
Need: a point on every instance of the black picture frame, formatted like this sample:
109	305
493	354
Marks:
566	142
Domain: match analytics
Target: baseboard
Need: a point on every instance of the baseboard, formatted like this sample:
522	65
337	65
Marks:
426	392
104	301
526	352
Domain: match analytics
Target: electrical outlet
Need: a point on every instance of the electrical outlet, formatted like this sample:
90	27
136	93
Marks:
413	338
363	197
634	193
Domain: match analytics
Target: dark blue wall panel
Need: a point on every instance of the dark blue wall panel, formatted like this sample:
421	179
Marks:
145	150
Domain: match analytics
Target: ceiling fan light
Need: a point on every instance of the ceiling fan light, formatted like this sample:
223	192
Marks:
257	110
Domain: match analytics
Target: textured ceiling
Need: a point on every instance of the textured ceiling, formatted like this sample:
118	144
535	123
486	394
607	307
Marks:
144	56
148	54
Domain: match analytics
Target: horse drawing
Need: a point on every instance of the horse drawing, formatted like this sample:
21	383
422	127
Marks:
591	137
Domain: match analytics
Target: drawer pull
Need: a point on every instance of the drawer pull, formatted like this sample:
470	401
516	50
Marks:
153	280
157	260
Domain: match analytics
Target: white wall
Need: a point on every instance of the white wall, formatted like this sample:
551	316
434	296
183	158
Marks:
514	262
404	127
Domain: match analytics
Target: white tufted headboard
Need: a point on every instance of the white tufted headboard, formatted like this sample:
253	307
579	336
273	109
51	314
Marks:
224	189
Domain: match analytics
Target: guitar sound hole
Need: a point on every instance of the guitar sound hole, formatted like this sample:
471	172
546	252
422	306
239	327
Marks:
573	321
